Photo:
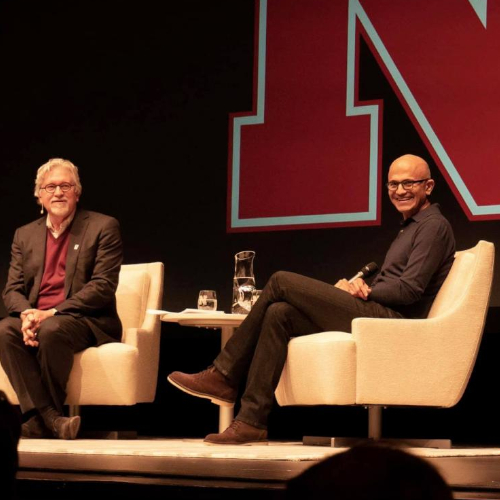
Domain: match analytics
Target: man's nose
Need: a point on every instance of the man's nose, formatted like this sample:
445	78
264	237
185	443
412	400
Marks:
400	189
58	191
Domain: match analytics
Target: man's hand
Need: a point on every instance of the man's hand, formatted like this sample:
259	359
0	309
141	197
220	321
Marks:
31	321
358	288
28	328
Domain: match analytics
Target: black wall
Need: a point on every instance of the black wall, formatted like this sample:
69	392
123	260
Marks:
138	96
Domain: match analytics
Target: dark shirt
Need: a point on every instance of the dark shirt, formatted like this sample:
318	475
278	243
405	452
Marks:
416	264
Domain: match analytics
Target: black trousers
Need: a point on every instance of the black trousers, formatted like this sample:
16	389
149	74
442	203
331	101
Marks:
39	374
290	306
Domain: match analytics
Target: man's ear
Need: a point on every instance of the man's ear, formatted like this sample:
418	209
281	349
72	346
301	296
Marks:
429	186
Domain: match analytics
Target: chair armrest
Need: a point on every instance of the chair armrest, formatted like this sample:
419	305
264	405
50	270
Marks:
151	322
411	361
147	343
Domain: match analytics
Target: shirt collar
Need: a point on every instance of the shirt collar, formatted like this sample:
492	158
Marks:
64	225
431	210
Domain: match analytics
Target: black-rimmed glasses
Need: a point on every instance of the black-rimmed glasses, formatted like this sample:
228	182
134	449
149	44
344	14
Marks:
407	184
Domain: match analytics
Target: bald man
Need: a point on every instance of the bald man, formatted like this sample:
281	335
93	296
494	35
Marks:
291	305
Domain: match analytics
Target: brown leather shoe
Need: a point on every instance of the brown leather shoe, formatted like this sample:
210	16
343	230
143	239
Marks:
61	427
209	384
239	433
66	427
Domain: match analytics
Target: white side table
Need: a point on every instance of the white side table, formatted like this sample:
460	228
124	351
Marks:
227	324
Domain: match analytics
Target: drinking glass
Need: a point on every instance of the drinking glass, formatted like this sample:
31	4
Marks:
207	300
255	296
243	282
245	296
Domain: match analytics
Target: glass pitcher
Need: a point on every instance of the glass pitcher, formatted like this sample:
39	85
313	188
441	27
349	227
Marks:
243	282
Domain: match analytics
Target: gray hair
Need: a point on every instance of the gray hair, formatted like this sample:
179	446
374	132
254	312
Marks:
51	165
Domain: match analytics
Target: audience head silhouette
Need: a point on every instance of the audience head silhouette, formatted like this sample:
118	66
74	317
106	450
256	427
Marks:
370	472
10	432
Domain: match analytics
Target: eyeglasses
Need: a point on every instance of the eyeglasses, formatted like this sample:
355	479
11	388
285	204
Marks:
51	188
407	184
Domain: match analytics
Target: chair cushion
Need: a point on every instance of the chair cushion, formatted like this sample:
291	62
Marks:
131	297
320	369
104	375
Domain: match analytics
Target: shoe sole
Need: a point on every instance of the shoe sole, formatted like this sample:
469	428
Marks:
71	431
74	427
215	401
249	443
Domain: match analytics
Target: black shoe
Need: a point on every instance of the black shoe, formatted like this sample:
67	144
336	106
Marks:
35	428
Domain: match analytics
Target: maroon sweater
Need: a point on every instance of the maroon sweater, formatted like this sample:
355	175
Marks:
52	287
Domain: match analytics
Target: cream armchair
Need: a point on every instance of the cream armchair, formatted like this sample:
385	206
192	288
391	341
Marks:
120	373
397	362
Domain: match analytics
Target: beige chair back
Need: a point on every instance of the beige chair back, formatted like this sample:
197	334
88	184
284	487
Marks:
428	362
465	294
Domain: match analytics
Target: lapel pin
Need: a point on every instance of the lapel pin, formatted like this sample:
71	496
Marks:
76	247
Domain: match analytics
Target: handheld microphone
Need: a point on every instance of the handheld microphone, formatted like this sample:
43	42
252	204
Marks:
365	271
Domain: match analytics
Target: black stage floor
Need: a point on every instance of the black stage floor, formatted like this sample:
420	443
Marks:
189	469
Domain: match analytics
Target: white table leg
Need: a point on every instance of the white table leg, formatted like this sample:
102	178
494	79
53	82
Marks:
226	334
226	414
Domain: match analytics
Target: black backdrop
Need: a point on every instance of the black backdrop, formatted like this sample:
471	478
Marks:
138	94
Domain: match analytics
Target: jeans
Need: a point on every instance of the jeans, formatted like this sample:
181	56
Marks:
290	305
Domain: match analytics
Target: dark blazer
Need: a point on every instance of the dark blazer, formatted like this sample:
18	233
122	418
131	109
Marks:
92	267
